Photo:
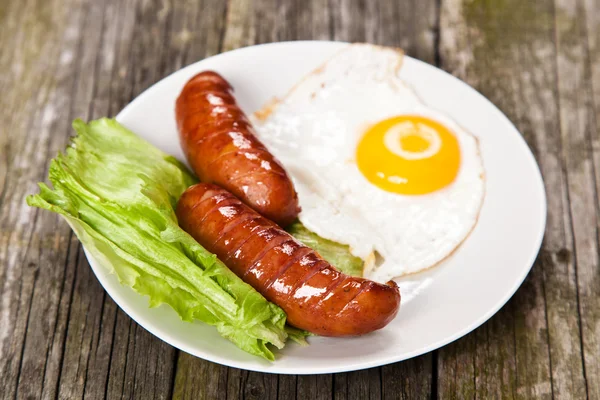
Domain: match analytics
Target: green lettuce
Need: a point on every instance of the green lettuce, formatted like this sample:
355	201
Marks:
118	193
335	253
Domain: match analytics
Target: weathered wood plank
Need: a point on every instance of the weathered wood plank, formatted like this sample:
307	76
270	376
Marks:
592	313
287	387
10	26
83	334
578	127
456	364
240	30
199	380
33	252
409	379
255	385
364	384
317	387
592	13
410	25
149	366
507	51
195	32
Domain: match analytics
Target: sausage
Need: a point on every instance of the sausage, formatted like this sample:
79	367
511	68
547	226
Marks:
220	145
316	296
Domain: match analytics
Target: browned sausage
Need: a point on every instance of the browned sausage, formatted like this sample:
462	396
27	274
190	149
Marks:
221	147
315	296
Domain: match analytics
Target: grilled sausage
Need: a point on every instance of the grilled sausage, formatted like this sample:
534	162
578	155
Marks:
315	296
221	147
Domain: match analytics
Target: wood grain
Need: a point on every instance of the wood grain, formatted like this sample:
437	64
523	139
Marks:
34	247
61	336
577	128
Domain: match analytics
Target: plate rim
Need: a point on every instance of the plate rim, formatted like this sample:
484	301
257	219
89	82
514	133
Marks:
354	366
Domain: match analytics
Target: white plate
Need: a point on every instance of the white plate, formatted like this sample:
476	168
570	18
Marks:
438	306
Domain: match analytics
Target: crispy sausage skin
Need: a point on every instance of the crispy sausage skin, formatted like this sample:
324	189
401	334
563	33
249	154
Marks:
221	147
315	296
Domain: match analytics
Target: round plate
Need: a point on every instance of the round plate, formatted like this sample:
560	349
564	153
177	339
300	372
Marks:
439	305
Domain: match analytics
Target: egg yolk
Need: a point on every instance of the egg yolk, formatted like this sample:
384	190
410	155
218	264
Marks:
409	155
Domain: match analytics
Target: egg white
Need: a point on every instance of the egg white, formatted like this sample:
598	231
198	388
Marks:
314	132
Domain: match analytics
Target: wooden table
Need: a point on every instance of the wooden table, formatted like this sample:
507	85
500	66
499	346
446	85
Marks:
62	336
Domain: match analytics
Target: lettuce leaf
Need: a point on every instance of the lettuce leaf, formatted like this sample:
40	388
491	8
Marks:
335	253
118	193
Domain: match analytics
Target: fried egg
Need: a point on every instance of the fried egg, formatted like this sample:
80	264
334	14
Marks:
374	167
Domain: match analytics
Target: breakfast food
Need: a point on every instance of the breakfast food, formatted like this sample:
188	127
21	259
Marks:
219	143
118	193
380	174
315	296
374	166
